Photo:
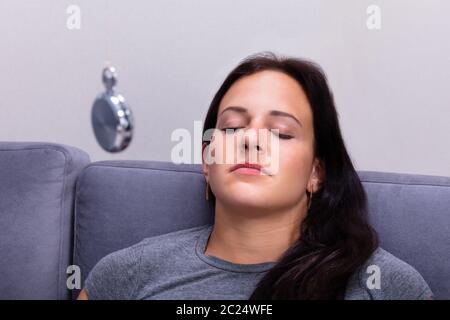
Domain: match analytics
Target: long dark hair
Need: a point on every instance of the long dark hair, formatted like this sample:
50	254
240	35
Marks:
335	236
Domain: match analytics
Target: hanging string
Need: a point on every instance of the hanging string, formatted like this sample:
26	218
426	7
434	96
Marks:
107	35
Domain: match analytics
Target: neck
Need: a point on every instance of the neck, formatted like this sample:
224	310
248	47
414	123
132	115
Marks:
244	238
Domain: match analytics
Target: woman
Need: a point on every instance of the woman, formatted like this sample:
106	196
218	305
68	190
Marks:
296	230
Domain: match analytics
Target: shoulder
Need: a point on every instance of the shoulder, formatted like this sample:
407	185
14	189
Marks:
384	276
174	238
116	276
153	246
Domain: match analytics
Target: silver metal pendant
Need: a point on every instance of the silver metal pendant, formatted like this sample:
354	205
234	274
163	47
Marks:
111	119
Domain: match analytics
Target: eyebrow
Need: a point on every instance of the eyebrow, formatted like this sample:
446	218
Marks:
272	113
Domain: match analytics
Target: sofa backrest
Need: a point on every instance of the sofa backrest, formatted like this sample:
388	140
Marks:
37	183
119	203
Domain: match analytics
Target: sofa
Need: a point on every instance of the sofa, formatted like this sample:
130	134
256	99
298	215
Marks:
58	209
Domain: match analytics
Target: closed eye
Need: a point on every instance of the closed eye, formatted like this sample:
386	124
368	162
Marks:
279	135
230	130
282	136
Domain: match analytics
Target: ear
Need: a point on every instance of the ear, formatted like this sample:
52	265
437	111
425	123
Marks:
317	176
205	167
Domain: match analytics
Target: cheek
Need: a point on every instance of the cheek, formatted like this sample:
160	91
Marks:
224	149
294	167
217	175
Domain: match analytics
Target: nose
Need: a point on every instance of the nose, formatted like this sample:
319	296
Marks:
251	145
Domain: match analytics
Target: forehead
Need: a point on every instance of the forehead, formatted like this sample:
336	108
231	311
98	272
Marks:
267	90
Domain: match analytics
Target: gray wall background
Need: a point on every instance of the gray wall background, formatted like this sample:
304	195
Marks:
391	85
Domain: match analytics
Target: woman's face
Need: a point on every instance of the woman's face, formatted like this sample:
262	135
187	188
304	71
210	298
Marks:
264	100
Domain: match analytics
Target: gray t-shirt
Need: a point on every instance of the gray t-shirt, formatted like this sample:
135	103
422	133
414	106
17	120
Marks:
174	266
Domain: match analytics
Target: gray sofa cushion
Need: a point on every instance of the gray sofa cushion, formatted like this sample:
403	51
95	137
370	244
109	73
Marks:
412	216
121	202
37	183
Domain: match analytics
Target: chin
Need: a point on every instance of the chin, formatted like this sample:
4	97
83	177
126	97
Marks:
248	197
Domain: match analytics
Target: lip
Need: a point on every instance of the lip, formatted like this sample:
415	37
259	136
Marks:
248	169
